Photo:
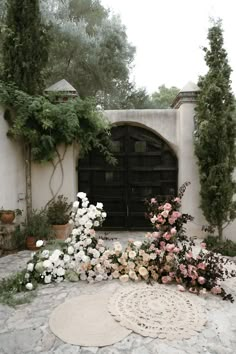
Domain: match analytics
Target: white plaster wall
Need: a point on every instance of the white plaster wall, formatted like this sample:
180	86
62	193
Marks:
188	169
12	171
160	121
64	180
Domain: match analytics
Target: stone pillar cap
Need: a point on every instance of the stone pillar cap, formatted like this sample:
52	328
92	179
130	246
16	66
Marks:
186	95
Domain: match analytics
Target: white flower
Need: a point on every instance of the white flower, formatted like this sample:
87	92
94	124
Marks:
30	267
96	254
104	215
153	256
117	246
85	259
47	279
60	271
115	274
99	205
124	278
70	250
45	254
165	213
27	275
29	286
96	223
47	263
76	204
137	244
81	195
132	254
55	255
39	243
143	271
66	258
88	224
99	277
85	204
132	275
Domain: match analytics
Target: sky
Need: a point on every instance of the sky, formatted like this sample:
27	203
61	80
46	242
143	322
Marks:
169	36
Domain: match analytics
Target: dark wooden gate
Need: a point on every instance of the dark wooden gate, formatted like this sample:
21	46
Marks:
146	167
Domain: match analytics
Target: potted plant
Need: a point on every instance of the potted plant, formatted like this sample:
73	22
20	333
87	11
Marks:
37	228
58	213
7	216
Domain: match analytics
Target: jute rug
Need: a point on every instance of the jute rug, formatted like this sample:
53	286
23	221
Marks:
85	321
157	311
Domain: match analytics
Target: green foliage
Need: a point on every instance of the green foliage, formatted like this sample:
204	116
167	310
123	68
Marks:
13	291
226	247
164	97
43	125
58	211
38	225
25	45
215	135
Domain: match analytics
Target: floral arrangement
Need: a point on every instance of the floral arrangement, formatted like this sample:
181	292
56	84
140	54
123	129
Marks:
165	255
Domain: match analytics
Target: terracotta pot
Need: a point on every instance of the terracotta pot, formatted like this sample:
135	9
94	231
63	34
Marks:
61	231
7	217
31	243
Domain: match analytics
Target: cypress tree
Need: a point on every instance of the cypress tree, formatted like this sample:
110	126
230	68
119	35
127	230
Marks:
215	134
25	46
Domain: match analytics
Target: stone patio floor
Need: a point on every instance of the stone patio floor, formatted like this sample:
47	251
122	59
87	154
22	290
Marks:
25	329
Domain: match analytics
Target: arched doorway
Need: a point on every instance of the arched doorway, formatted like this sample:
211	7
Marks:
147	167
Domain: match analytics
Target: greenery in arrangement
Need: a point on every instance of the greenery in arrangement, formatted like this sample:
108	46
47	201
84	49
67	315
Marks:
58	211
38	225
225	247
215	135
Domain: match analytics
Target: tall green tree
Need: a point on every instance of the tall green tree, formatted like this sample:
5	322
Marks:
25	54
25	45
216	134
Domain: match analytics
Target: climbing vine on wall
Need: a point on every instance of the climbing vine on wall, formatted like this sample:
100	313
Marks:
37	121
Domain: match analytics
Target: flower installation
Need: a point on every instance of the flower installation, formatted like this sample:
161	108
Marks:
165	256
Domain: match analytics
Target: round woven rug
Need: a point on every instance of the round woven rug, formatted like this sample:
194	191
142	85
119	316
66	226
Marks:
85	321
157	311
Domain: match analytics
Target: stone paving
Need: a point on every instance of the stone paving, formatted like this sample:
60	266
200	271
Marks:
25	329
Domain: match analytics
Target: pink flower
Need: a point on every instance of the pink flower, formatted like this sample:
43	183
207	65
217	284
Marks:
173	231
167	206
189	255
176	214
160	207
183	270
166	279
216	290
167	236
201	280
203	245
170	247
162	244
153	200
176	250
177	200
201	266
172	274
160	219
158	251
156	234
181	288
192	272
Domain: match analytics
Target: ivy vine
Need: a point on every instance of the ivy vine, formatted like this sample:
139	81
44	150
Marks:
42	124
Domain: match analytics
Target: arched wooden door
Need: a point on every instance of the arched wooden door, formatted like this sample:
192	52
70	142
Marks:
147	167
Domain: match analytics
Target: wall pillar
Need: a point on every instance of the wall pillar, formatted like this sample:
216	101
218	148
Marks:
188	169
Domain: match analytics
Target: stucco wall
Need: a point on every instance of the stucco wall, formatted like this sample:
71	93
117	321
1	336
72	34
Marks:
12	171
45	183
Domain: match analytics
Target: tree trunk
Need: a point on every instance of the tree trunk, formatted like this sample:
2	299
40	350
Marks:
28	193
220	232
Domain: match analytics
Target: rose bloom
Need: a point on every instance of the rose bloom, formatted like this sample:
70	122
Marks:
171	221
201	266
153	200
173	231
132	254
156	234
181	288
166	279
165	213
143	271
216	290
81	195
160	219
29	286
189	255
176	250
203	245
201	280
177	200
167	206
176	214
167	236
137	244
132	275
115	274
39	243
124	278
170	247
